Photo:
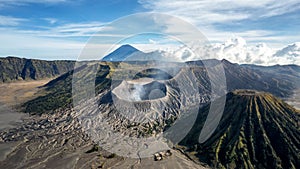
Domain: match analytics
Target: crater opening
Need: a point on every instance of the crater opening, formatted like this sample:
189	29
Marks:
246	92
153	73
140	89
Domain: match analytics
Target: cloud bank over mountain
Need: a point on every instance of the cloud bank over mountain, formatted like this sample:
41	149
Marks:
237	50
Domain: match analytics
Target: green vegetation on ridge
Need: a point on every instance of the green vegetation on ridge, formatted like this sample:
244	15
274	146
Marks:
58	92
256	131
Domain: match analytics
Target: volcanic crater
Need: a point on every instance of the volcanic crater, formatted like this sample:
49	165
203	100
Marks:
140	90
145	85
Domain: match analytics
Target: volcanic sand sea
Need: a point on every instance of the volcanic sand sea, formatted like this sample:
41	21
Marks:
8	119
11	96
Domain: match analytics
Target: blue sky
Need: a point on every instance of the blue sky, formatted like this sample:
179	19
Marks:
59	29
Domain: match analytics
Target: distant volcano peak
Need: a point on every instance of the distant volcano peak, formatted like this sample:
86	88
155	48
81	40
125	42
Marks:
121	53
127	47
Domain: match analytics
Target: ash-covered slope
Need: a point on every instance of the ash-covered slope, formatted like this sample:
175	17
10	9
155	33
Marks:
13	68
257	130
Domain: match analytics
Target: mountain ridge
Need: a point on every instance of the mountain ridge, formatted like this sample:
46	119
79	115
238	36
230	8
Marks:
15	69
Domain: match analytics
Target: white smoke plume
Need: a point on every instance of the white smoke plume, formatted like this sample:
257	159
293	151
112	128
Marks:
136	92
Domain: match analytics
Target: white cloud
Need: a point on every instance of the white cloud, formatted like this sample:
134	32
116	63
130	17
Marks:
51	20
67	30
201	12
237	50
78	29
289	54
23	2
10	21
206	14
23	45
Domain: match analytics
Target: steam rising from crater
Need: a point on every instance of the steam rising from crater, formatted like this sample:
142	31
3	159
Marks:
141	89
136	92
